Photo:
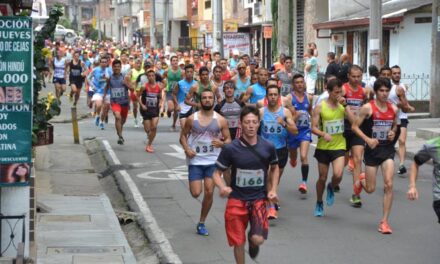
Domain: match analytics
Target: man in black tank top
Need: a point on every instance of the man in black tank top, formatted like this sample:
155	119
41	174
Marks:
77	73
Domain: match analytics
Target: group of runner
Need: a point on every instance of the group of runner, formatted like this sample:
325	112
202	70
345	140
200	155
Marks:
241	123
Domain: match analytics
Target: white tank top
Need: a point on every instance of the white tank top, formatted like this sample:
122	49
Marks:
393	98
59	67
200	141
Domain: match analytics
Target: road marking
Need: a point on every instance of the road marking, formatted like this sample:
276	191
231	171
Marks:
180	154
178	173
156	236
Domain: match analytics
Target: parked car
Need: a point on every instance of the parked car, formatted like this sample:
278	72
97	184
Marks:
60	32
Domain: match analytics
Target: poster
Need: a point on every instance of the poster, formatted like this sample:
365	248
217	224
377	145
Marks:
239	41
15	100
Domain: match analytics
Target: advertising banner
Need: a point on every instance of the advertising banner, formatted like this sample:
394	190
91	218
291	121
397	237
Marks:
239	41
16	54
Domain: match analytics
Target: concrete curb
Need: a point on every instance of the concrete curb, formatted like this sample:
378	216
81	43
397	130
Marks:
146	220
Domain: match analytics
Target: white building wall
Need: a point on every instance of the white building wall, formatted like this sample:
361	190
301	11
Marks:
175	33
414	42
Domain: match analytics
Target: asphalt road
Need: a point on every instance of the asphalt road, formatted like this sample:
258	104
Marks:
344	235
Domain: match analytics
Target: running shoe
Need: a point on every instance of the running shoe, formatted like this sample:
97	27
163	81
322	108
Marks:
121	141
302	188
272	213
149	149
97	121
350	166
293	163
384	228
319	209
336	189
201	229
253	249
136	123
101	126
355	201
401	170
330	195
357	186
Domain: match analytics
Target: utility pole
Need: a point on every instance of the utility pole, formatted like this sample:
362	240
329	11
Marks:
434	109
217	18
153	24
375	32
166	21
98	20
283	27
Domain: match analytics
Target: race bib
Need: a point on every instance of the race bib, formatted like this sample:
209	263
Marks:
233	122
249	178
355	105
381	129
286	88
118	92
203	146
334	126
303	120
151	101
272	127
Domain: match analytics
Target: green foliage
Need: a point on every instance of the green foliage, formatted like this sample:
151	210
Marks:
65	22
274	40
44	108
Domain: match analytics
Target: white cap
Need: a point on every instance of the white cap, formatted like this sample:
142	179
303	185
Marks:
236	52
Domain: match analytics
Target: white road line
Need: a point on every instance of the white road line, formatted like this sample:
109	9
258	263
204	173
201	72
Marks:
158	237
177	148
180	153
111	152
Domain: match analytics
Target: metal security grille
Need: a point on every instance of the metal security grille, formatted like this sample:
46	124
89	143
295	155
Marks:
300	30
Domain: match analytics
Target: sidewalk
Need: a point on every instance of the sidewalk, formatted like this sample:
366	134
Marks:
77	223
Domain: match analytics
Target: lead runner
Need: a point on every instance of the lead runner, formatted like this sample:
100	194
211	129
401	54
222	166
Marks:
254	165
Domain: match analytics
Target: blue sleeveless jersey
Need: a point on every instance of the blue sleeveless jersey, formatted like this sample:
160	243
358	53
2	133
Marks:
184	87
259	92
303	122
271	130
241	87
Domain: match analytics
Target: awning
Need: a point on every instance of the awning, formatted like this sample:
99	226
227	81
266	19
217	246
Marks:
392	13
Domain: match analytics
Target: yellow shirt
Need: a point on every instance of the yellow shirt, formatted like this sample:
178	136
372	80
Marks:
332	122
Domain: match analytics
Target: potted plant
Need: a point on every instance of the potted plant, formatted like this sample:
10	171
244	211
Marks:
45	108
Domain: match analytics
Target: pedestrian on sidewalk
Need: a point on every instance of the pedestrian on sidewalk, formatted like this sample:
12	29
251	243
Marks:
429	151
205	132
254	165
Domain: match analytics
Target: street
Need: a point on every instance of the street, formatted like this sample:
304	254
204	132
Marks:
344	235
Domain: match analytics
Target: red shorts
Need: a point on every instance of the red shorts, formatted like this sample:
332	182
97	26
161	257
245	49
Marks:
237	215
133	96
123	109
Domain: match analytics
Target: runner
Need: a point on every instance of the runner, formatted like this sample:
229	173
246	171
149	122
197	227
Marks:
254	165
150	100
299	102
77	71
355	97
257	91
59	73
328	125
193	96
379	130
217	80
179	94
398	97
98	80
118	85
172	77
430	150
285	76
200	138
276	121
133	74
242	81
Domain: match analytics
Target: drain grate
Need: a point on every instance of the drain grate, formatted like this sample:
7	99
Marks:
98	259
64	218
85	250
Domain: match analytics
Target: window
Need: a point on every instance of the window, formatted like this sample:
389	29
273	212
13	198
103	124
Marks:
207	4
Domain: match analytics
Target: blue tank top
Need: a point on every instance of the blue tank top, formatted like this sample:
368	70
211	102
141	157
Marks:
303	121
271	130
259	92
184	87
241	87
